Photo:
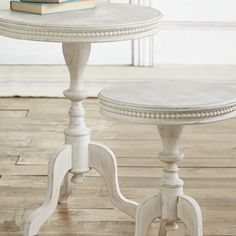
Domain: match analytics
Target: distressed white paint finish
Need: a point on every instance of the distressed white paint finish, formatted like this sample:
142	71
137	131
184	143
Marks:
170	102
202	36
104	161
190	213
76	31
169	105
147	212
121	22
171	186
105	23
26	52
171	205
59	165
77	133
66	188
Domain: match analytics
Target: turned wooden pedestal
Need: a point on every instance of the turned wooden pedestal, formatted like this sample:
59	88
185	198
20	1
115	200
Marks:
169	105
76	31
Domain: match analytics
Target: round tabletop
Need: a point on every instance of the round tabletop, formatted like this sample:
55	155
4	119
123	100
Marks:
106	22
170	102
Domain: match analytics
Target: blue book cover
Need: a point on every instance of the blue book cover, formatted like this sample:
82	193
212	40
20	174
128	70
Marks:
43	8
47	1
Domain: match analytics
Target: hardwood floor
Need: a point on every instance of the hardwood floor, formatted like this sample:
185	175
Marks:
31	129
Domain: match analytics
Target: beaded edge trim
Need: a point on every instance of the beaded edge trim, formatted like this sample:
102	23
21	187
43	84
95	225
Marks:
128	112
22	31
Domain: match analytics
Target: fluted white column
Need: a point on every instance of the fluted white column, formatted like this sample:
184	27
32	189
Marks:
143	49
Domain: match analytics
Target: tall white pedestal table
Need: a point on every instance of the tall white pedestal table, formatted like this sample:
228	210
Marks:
76	31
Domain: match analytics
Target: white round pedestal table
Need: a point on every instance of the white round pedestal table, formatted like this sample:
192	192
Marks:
76	31
170	105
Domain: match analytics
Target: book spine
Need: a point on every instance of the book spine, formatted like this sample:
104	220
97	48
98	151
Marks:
42	2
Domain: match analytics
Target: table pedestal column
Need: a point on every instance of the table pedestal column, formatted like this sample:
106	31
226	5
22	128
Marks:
78	155
171	205
77	133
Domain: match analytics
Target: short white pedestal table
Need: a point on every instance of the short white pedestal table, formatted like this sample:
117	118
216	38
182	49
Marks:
76	31
170	105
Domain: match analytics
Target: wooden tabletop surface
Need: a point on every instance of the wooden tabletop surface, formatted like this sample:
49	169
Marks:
162	102
106	22
171	95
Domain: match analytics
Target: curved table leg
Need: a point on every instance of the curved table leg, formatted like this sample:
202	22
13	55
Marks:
163	229
104	161
66	189
171	205
59	165
147	211
190	213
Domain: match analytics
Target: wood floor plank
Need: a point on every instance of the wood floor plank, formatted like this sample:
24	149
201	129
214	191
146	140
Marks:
42	158
31	132
13	113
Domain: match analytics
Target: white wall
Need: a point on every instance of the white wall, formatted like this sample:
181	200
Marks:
196	46
27	52
193	32
197	32
197	10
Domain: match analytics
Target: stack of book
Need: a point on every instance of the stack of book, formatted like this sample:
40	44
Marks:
43	7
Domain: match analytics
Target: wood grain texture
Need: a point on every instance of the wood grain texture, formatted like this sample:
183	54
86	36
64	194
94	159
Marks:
171	205
59	165
170	105
104	162
208	172
147	212
169	102
190	213
107	22
77	133
77	137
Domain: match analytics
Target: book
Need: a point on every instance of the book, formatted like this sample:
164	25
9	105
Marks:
49	8
47	1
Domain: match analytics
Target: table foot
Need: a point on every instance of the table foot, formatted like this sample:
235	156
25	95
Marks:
147	211
190	213
171	205
103	160
59	165
66	189
165	226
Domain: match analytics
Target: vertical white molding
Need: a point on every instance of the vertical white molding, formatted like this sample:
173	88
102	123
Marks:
143	49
